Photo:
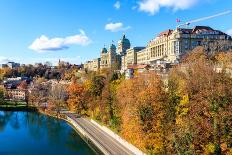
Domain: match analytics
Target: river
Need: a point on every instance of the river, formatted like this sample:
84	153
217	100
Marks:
31	133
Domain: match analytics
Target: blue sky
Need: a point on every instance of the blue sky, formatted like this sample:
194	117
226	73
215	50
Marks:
76	30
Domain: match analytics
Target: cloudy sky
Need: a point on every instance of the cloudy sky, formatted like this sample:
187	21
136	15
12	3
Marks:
75	30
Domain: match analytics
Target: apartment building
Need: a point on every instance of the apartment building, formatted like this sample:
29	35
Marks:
16	94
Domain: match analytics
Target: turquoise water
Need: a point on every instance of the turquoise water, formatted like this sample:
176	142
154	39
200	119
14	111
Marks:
29	133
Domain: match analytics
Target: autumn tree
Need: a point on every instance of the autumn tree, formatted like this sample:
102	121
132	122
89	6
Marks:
2	95
224	60
107	104
202	105
39	94
141	101
97	85
57	97
76	97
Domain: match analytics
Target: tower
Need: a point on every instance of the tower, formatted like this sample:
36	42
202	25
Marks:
123	45
112	54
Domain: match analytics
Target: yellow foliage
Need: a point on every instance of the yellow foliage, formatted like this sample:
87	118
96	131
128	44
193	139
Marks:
87	84
179	121
224	58
181	87
181	109
114	85
229	152
184	111
185	100
209	149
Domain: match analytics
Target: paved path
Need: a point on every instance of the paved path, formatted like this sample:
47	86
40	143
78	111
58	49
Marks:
112	146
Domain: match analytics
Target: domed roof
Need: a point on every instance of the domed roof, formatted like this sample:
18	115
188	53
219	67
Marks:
104	50
124	40
112	46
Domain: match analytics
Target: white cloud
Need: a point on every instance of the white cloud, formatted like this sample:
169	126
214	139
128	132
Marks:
115	27
134	7
43	43
117	5
229	32
153	6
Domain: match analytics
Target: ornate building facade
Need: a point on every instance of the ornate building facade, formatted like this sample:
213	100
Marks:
130	57
93	65
123	45
109	58
169	46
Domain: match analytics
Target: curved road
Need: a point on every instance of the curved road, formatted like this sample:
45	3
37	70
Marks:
110	145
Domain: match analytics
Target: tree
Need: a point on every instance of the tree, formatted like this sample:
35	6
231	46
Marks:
39	94
202	99
57	97
2	95
76	98
97	85
142	102
224	59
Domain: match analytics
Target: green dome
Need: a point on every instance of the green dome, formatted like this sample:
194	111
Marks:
112	46
124	41
104	50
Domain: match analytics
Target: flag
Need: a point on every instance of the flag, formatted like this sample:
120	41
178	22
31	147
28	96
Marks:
178	20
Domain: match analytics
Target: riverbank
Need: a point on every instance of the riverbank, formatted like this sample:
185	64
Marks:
27	132
103	141
10	106
102	137
76	127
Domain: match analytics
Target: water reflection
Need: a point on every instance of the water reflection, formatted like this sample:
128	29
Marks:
33	133
4	119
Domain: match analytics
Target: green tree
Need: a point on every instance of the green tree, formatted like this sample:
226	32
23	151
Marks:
98	83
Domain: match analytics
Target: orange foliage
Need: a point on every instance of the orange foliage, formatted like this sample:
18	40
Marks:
203	118
141	101
76	100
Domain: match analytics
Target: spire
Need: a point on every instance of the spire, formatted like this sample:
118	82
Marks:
123	36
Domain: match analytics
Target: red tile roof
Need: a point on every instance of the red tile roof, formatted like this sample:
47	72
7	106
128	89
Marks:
137	66
166	33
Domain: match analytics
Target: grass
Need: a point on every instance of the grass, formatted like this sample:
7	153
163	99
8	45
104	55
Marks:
13	103
19	106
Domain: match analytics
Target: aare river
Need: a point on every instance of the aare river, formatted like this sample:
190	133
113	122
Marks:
31	133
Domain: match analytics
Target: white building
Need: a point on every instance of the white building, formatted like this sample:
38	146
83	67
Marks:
171	45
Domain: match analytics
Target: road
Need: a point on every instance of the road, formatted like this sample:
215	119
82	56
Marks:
112	146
